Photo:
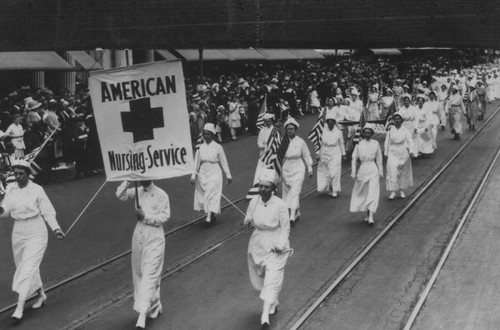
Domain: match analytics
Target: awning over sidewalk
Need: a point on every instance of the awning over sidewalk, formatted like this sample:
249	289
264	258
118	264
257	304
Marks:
86	62
249	54
166	54
33	61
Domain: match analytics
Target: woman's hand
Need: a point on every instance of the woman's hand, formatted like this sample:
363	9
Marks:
353	175
59	234
248	222
139	213
193	180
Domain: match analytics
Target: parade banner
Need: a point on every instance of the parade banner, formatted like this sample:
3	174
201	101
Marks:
142	121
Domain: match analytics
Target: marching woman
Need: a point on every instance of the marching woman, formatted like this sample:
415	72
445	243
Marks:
432	108
330	158
472	106
209	159
27	203
269	248
456	110
423	125
297	158
372	108
366	190
407	111
148	246
397	149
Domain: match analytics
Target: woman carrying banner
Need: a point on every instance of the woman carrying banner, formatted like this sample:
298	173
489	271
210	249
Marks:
148	246
297	157
209	159
269	248
398	149
330	158
366	190
27	203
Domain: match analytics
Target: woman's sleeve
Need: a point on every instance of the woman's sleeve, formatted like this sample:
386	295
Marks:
47	210
306	156
161	215
123	193
223	162
386	142
354	160
284	220
196	164
251	209
380	164
341	142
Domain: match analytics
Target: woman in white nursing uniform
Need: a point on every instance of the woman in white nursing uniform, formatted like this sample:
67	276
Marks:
209	159
27	203
269	248
366	190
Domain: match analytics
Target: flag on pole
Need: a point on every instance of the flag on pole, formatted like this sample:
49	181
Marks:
357	135
199	141
277	162
315	135
389	121
262	112
272	146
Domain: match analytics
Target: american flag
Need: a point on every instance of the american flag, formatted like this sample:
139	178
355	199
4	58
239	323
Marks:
263	111
199	142
465	98
389	121
316	132
273	157
272	146
357	135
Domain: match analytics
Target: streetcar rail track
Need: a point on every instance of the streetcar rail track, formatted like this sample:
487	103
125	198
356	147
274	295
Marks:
411	202
416	309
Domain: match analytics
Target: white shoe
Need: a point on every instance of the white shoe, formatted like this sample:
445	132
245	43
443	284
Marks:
141	322
18	314
334	194
402	194
392	195
41	300
156	311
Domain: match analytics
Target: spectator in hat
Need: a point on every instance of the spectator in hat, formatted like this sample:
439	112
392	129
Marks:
16	133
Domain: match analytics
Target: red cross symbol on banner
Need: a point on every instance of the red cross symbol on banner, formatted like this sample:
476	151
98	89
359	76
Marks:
142	119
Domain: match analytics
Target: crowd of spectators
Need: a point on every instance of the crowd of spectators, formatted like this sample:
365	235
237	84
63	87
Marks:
39	114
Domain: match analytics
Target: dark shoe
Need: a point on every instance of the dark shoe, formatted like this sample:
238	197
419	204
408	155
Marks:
213	219
265	326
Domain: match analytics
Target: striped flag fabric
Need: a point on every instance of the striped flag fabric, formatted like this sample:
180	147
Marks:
262	112
389	121
315	135
357	135
268	157
277	162
35	168
199	142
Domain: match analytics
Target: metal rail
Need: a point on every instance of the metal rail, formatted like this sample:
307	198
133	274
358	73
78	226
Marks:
416	196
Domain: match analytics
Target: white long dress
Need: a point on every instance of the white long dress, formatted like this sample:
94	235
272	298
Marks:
409	122
330	160
297	157
208	162
18	142
432	109
425	143
397	146
456	111
262	140
366	190
148	244
29	207
272	229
